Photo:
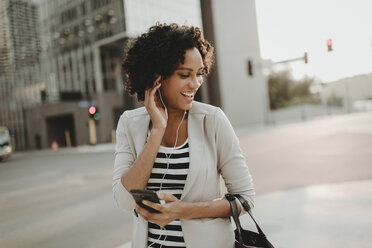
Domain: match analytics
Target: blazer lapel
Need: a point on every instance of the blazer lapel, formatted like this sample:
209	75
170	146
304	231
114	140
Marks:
196	144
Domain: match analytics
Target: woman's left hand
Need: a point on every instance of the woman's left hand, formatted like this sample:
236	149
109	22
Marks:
171	210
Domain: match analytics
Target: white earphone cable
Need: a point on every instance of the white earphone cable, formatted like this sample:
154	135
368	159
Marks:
168	158
174	147
162	102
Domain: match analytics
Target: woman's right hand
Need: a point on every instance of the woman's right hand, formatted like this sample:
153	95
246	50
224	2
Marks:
154	107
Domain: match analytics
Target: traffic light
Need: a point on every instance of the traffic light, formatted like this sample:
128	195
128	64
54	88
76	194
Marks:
329	45
250	68
93	112
306	58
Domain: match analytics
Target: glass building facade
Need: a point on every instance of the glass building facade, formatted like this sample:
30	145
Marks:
58	57
141	14
20	56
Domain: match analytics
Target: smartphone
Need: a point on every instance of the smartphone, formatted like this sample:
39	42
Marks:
149	195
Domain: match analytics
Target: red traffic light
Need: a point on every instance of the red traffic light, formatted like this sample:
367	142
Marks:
329	45
92	110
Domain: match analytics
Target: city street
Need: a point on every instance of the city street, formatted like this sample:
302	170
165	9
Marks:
60	199
64	198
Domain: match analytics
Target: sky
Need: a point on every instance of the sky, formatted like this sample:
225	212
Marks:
288	28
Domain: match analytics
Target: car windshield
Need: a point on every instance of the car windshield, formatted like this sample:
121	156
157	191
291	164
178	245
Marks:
4	136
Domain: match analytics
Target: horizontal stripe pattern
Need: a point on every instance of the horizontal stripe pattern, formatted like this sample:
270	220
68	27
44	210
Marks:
171	160
174	155
174	171
171	166
170	226
172	236
173	183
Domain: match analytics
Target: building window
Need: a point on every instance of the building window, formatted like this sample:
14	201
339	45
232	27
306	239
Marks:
83	7
68	15
99	3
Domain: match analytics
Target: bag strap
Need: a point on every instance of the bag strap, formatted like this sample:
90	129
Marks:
231	198
248	209
235	215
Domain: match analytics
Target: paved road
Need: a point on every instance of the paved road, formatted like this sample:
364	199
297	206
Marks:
326	150
63	199
60	199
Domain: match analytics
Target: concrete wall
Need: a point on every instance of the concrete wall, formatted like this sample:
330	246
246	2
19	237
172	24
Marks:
303	112
35	125
36	122
107	101
243	98
36	119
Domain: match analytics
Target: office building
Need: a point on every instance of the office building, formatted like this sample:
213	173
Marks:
58	58
19	65
74	62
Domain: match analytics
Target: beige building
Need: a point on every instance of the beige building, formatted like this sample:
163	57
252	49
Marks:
243	97
353	93
351	88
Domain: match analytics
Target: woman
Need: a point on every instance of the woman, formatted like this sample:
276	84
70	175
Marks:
176	146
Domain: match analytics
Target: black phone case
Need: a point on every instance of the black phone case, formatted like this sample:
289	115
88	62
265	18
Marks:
141	194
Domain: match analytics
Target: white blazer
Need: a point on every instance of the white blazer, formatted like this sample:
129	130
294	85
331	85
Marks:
214	152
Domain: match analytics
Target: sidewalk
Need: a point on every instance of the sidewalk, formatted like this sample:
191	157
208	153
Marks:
322	216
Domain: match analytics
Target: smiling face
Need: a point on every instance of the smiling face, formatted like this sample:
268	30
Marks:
179	89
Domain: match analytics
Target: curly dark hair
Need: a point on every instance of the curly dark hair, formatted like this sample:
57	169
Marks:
159	51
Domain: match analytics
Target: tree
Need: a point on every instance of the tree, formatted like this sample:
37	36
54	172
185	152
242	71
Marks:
285	91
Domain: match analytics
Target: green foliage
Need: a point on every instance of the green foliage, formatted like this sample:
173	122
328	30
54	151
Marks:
284	91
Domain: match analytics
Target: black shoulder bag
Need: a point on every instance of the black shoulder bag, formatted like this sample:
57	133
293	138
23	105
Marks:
245	238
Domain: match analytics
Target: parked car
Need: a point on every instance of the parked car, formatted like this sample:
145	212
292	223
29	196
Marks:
5	146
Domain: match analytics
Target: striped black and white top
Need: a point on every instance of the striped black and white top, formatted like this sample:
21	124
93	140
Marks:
173	183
